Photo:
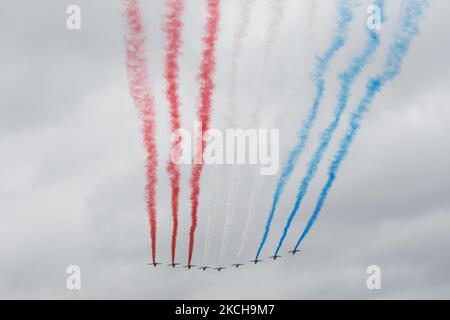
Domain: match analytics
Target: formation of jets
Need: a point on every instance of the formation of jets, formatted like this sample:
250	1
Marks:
220	268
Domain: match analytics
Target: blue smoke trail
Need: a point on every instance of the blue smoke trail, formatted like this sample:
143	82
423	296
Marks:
347	78
411	13
345	17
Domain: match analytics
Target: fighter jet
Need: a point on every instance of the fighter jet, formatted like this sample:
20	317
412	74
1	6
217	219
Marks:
173	264
275	257
204	268
189	266
294	251
256	261
237	265
155	264
219	268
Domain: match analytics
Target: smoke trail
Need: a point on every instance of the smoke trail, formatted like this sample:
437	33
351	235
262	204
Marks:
248	223
277	11
204	110
345	17
412	11
347	78
172	29
211	215
277	15
238	38
140	92
310	9
235	181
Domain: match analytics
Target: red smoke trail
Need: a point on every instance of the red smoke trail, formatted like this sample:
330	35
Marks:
172	28
140	92
204	110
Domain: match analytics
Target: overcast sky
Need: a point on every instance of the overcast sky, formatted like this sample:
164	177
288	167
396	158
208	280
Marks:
72	158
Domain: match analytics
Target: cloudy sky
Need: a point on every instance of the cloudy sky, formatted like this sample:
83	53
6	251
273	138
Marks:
72	158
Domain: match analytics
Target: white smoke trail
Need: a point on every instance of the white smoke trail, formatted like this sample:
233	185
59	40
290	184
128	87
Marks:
211	214
309	8
277	15
239	36
311	11
250	218
230	212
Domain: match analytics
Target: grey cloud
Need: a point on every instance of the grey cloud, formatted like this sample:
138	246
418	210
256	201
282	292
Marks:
72	187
